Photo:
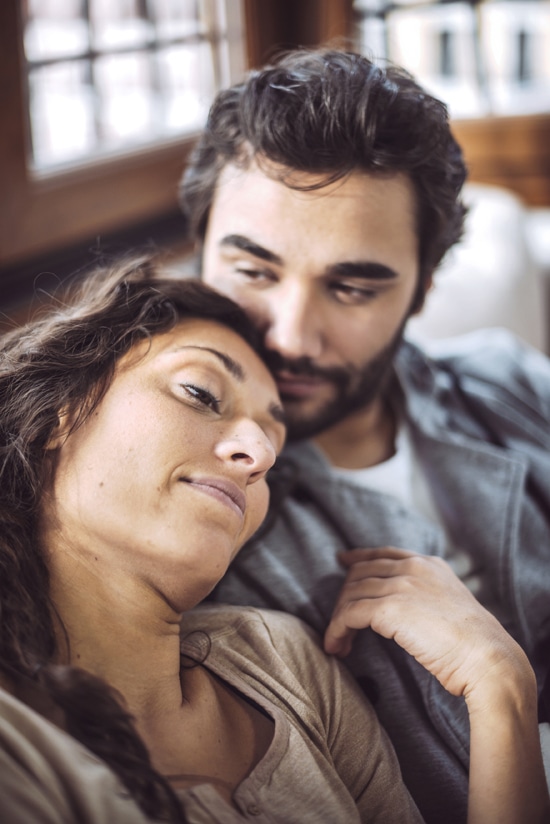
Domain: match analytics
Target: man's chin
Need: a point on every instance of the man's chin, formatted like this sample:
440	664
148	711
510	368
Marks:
302	423
307	420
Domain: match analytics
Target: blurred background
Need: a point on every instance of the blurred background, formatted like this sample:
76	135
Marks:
101	101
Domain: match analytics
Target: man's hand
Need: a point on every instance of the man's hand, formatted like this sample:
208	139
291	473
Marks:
419	602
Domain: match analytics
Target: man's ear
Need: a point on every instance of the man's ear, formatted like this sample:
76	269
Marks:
421	294
61	431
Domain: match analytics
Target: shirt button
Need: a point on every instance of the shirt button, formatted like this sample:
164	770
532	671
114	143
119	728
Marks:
253	809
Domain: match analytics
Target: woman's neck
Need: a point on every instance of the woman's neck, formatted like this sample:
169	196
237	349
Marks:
126	633
120	630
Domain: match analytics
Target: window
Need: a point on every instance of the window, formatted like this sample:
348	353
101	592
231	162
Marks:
483	57
112	75
76	160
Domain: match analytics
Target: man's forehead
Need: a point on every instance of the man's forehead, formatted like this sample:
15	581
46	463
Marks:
258	170
261	203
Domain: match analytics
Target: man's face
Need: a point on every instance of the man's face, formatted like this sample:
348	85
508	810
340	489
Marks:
328	276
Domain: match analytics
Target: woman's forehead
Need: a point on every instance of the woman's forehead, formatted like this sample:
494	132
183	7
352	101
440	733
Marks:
206	339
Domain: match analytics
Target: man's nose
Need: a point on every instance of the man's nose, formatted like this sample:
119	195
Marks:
293	326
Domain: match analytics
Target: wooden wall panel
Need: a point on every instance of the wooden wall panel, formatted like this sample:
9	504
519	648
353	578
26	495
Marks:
509	151
276	25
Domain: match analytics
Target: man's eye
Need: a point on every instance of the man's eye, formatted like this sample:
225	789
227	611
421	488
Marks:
346	293
202	396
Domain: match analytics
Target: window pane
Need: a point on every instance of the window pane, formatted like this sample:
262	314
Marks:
125	98
118	23
178	18
516	44
437	44
55	28
62	112
187	81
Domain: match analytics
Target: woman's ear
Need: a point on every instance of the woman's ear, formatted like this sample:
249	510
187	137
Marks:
61	431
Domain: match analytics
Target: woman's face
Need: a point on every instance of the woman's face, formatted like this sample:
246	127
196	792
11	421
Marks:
167	478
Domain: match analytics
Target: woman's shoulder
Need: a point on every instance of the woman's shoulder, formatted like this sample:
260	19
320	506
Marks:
272	651
272	627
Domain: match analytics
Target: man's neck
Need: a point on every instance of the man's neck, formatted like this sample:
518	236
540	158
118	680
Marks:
363	439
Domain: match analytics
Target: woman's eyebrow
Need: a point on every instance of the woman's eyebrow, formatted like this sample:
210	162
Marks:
231	365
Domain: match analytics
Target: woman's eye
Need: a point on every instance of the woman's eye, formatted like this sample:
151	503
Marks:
253	274
202	396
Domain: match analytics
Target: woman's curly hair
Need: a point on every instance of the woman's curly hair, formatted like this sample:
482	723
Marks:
65	361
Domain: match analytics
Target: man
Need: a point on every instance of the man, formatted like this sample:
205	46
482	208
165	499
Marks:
324	193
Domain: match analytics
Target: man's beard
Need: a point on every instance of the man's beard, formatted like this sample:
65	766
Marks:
355	388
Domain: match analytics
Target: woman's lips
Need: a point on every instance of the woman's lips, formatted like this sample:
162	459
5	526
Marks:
222	490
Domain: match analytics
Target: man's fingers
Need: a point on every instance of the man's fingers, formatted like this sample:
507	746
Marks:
352	613
365	581
339	639
391	590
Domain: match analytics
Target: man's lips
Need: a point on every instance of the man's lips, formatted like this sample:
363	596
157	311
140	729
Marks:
222	490
302	386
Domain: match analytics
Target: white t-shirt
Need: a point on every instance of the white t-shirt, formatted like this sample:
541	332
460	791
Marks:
402	476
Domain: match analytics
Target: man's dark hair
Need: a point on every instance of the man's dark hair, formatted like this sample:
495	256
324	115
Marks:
329	113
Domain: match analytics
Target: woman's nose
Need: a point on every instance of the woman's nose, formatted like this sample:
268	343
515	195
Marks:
248	449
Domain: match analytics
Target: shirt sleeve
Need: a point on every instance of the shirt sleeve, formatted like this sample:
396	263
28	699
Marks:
46	777
359	748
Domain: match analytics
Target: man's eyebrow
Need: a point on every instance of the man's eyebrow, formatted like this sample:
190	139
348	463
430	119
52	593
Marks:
231	365
363	270
246	245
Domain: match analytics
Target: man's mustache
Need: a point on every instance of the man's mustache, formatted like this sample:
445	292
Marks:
306	367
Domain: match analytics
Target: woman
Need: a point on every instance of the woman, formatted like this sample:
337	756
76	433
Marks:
136	431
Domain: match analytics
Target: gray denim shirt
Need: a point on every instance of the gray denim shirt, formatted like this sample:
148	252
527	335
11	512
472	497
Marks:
479	415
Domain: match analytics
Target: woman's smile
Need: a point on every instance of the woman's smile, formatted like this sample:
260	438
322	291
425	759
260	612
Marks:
222	490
